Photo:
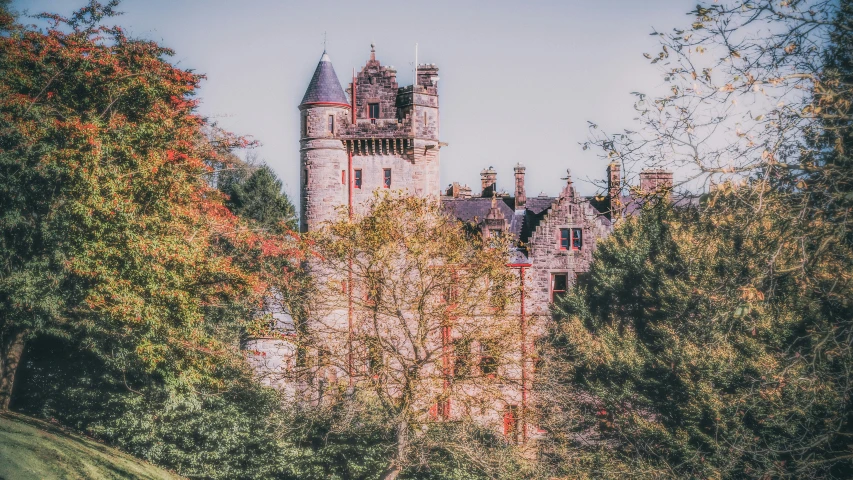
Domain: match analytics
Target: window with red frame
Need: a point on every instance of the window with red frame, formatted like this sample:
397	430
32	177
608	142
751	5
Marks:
343	177
357	182
559	286
577	238
511	423
386	178
564	239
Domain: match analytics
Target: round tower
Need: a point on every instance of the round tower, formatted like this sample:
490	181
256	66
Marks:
324	111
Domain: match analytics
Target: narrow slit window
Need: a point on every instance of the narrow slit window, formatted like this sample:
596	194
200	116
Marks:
343	177
577	238
332	124
305	125
386	178
559	286
357	182
564	239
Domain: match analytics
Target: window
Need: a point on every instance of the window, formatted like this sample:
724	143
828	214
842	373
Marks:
305	125
332	124
343	177
488	363
440	409
425	118
357	178
462	358
511	423
559	285
577	238
564	239
373	111
386	178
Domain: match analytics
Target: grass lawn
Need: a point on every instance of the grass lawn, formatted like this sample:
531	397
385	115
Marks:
32	449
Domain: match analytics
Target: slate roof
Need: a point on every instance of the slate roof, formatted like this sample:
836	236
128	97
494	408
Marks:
325	86
522	223
475	209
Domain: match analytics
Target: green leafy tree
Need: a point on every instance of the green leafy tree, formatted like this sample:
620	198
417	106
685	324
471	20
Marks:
108	228
257	194
716	342
682	357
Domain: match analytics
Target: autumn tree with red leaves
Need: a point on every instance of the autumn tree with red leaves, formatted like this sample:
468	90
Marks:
110	233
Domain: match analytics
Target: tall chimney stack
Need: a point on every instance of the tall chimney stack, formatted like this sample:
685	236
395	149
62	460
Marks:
488	177
655	180
614	189
520	196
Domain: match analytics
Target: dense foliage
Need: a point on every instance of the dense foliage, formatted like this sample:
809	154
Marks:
255	193
681	356
715	342
123	271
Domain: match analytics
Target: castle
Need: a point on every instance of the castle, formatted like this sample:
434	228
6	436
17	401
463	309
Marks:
383	136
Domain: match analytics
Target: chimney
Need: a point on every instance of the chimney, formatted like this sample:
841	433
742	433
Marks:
655	180
465	191
520	196
614	189
488	178
453	190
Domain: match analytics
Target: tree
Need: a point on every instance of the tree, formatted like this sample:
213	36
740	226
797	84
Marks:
109	231
716	342
255	193
408	314
681	357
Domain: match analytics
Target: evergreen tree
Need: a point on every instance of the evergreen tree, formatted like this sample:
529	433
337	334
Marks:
257	194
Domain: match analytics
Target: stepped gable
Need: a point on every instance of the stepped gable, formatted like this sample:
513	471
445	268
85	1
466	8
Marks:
325	88
522	223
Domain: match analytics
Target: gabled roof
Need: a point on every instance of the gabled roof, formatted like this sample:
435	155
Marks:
325	88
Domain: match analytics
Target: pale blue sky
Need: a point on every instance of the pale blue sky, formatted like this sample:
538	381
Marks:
519	79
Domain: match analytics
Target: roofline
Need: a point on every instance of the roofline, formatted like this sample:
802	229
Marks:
330	104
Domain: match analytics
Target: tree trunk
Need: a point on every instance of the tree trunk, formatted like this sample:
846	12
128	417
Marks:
11	348
396	466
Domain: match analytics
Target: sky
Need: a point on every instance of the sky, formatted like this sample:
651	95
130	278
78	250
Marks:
520	80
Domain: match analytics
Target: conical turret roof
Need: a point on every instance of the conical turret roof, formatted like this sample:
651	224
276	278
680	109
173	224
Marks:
325	87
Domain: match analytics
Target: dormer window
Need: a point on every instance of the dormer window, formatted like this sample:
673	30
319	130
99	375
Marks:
373	111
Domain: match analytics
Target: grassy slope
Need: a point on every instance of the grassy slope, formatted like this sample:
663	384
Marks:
32	449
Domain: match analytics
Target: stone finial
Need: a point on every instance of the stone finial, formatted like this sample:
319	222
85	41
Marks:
372	52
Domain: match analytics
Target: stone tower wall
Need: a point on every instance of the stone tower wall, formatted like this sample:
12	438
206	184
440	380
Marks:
322	157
